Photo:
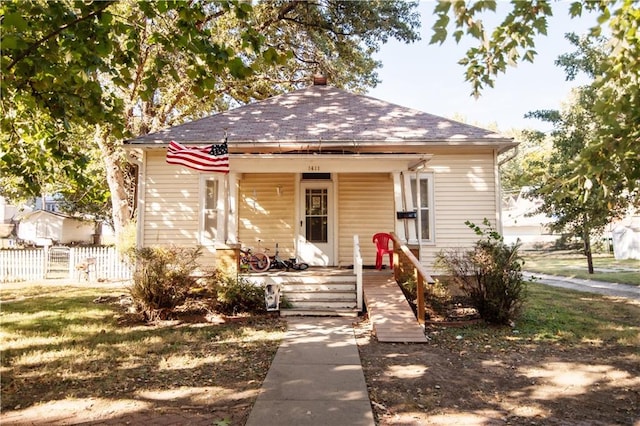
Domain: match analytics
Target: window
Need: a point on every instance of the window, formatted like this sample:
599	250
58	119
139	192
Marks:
422	195
211	204
317	215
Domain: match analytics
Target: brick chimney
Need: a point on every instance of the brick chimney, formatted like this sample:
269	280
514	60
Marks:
319	80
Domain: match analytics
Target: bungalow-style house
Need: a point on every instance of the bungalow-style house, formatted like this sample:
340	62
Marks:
310	169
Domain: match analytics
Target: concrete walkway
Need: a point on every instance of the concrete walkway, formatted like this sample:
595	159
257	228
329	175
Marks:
600	287
316	378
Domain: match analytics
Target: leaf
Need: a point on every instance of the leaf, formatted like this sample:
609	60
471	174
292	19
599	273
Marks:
529	55
439	36
575	9
9	42
237	68
14	20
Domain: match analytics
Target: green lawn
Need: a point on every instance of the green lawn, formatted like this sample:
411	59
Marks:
555	315
572	264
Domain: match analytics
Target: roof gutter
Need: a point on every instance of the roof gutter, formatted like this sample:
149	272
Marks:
513	155
508	143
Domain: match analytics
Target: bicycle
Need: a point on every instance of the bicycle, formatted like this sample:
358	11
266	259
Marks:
292	263
257	262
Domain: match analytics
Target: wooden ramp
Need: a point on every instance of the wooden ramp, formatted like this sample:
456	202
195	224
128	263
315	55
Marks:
390	314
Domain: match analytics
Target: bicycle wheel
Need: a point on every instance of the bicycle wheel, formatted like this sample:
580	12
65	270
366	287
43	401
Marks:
259	262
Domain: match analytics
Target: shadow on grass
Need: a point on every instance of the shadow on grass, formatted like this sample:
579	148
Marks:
62	353
572	359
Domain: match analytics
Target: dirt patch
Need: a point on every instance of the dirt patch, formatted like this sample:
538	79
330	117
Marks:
485	381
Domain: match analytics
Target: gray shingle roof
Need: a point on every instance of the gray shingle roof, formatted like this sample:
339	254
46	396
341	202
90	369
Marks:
321	113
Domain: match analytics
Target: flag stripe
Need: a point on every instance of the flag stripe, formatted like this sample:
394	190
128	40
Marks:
198	158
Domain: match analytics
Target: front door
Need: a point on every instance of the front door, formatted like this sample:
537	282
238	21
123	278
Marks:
315	244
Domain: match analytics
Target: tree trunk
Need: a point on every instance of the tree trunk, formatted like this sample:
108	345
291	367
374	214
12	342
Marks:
587	248
113	164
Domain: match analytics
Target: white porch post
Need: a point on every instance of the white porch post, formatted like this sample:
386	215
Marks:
401	224
357	270
232	200
408	200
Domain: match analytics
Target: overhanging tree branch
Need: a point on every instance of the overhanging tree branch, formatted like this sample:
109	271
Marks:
55	33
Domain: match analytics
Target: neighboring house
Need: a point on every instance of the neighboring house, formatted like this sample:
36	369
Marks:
311	168
7	227
7	211
521	222
50	203
626	238
43	227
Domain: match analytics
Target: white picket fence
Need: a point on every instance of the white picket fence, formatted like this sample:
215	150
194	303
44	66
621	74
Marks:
104	264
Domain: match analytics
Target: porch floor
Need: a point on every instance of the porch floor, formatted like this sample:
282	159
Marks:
390	314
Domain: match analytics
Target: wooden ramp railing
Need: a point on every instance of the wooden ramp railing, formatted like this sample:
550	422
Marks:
405	262
391	315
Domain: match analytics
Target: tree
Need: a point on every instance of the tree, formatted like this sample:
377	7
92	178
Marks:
614	144
530	162
579	206
122	69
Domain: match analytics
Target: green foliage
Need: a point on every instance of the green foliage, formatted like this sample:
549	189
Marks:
490	275
611	158
530	163
409	287
581	190
121	69
236	296
162	279
140	66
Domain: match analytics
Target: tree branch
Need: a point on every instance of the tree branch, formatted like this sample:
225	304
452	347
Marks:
286	8
55	33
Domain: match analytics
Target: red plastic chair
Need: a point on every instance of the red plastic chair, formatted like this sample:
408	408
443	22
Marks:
382	241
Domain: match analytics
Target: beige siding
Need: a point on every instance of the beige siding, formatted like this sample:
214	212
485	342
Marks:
171	203
365	206
465	189
264	215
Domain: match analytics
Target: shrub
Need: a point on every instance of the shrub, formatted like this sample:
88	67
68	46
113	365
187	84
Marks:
490	275
162	279
236	296
409	287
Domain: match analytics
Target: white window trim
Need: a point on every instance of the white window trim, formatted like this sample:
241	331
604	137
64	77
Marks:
221	210
429	177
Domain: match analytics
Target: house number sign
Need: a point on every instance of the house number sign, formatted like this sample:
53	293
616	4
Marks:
311	168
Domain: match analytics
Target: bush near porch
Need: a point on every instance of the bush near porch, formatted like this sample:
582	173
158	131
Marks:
166	280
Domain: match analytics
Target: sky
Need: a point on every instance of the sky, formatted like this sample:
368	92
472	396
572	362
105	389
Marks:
428	78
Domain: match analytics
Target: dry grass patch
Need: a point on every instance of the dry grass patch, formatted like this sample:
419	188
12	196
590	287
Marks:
59	345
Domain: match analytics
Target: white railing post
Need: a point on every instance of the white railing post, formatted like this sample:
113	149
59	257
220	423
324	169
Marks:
72	263
357	270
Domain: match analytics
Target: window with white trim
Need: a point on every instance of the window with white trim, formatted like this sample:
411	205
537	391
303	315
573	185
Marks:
212	210
422	196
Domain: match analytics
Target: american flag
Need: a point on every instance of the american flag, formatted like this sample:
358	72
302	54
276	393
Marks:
211	158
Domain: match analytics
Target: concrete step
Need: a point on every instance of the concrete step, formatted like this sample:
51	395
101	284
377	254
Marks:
325	293
294	279
295	296
319	312
318	287
322	304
